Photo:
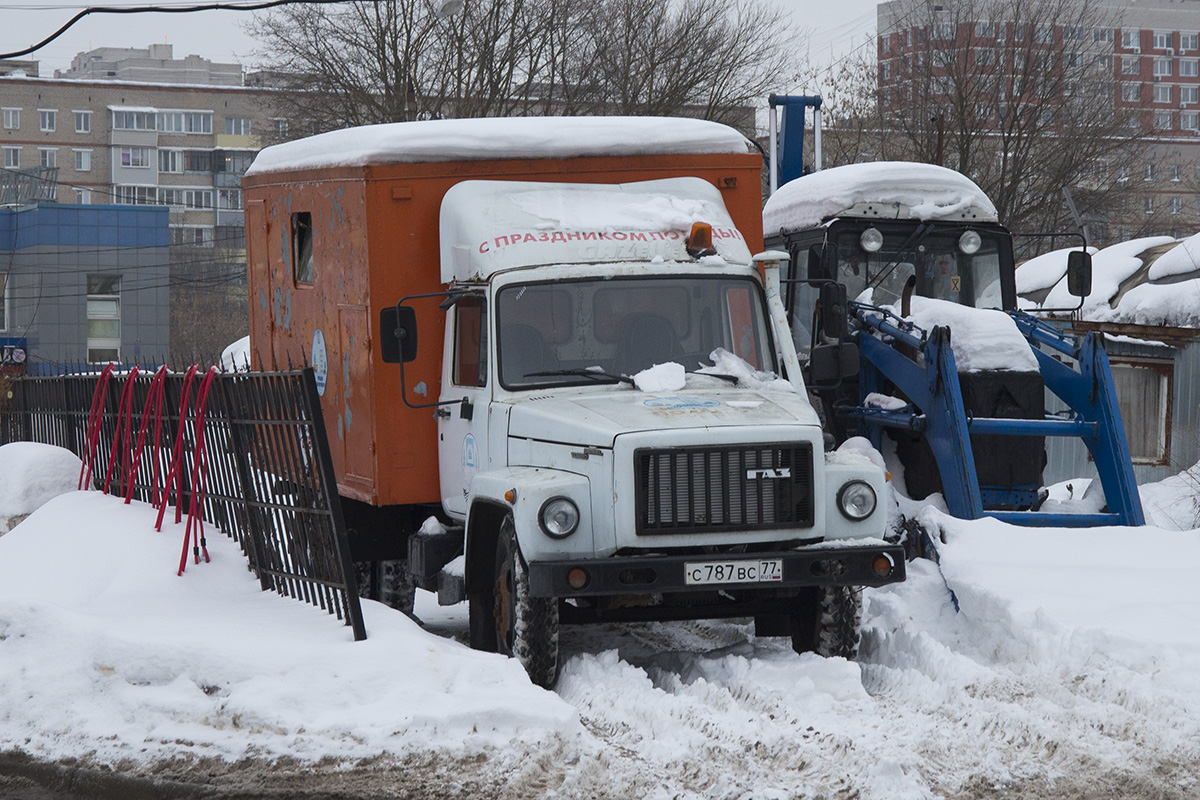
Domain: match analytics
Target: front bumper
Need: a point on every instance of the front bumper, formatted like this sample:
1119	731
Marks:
816	565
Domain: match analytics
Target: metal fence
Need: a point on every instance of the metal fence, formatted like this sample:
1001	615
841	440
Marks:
264	475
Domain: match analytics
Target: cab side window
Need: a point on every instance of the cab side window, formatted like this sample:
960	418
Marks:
303	269
470	342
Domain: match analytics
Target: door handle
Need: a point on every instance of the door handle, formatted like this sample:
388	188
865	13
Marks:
442	412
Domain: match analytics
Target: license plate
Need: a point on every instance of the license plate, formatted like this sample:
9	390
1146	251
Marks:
701	573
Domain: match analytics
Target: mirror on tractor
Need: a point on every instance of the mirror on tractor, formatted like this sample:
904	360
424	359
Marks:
822	261
398	334
1079	273
830	364
833	310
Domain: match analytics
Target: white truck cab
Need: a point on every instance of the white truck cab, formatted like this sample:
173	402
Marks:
623	431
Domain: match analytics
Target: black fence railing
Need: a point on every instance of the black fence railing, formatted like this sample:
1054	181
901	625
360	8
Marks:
266	481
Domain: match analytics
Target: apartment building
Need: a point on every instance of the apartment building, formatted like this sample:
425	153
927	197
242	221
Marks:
1140	59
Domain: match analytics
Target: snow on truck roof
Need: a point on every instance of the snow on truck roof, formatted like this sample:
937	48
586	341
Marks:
488	226
885	189
500	138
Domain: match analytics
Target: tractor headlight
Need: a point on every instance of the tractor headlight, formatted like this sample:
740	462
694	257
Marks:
559	517
856	500
871	240
970	243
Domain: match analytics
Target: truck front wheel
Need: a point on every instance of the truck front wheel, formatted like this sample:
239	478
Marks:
827	620
526	627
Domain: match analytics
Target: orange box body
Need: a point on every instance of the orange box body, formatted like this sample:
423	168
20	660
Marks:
375	240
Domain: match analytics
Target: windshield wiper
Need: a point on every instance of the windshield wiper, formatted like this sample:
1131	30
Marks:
914	239
731	378
581	372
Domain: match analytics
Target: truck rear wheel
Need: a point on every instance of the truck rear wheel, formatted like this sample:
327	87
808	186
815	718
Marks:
526	627
827	622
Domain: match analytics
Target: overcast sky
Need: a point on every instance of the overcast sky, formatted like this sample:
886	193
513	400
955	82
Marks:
217	35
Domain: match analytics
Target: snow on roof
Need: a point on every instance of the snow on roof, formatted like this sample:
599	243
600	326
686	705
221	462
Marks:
487	226
887	189
1111	266
1179	260
500	138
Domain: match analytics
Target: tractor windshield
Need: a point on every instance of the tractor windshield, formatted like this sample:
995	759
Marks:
950	261
602	330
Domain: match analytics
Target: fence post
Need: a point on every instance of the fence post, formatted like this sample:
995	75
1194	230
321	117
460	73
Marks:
329	480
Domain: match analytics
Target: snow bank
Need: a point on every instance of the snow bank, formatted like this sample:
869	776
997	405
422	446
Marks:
106	651
897	189
500	138
236	356
982	339
32	474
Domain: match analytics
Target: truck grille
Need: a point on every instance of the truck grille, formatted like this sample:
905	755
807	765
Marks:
712	489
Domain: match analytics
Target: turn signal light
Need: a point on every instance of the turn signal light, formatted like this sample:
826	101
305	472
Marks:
882	565
511	496
577	578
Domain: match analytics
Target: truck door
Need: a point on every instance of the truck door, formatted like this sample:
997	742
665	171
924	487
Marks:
462	428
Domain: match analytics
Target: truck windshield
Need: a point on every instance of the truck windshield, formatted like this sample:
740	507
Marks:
951	262
577	332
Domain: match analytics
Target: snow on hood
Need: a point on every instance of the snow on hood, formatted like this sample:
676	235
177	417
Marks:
981	338
597	418
500	138
894	189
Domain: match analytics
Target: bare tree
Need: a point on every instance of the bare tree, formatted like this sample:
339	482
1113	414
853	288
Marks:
1020	95
367	62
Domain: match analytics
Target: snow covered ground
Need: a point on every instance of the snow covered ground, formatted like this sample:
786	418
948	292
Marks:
1069	668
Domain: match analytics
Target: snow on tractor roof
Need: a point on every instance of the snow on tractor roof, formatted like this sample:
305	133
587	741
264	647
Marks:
884	189
487	226
500	138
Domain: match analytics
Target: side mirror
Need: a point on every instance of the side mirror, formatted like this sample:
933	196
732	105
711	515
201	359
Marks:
833	311
830	364
1079	273
822	261
398	334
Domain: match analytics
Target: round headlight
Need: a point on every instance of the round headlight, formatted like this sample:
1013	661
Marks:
559	517
871	240
856	500
970	243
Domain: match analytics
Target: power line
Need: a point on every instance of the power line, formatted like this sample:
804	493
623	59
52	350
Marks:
160	10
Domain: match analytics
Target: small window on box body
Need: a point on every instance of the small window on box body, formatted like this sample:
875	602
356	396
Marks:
302	247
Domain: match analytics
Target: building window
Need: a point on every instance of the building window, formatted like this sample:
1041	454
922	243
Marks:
1143	391
1189	41
136	195
235	162
1162	67
1189	94
1176	172
984	56
194	236
12	157
1129	65
1102	35
1043	34
135	156
103	318
1131	92
984	30
198	161
133	120
170	160
12	119
1189	120
83	121
1189	68
1162	40
48	156
83	197
886	69
304	270
1148	204
48	119
1129	40
184	121
943	30
237	126
1176	206
1074	33
83	160
1162	120
229	199
281	127
1162	94
197	198
470	341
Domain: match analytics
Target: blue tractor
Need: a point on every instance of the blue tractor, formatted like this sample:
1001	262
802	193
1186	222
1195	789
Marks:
870	245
